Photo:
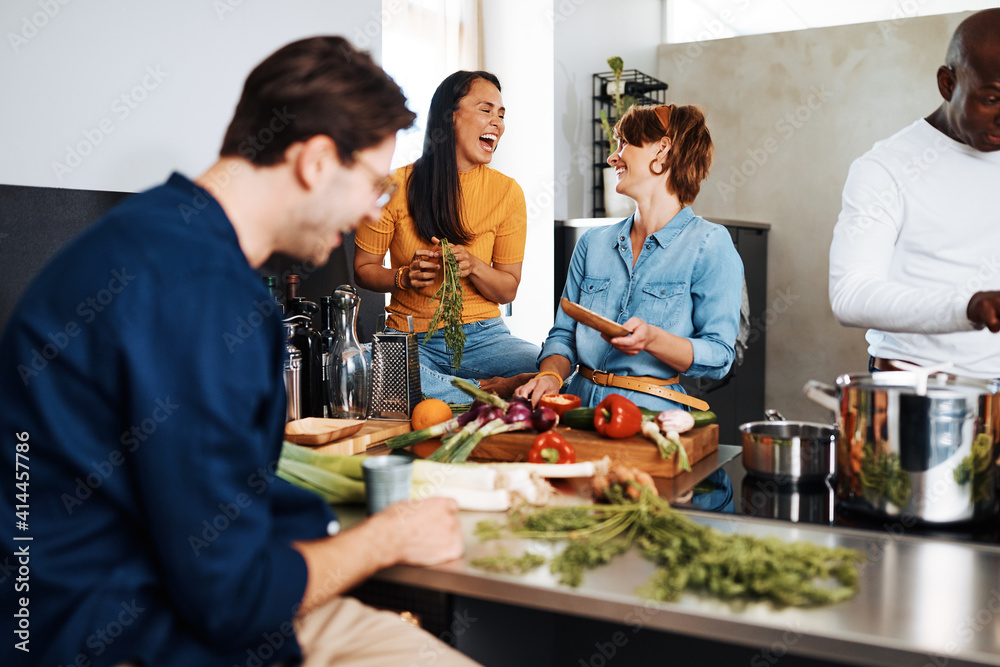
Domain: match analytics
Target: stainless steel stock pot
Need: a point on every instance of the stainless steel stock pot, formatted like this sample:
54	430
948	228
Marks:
917	445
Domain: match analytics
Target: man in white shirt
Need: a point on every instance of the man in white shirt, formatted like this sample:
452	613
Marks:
915	256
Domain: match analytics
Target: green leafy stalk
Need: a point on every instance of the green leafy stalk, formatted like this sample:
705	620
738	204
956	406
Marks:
349	466
414	437
476	392
689	556
609	134
669	446
448	314
617	66
505	563
461	453
333	487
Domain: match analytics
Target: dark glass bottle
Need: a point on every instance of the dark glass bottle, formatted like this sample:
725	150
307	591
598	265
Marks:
291	286
302	314
328	336
272	288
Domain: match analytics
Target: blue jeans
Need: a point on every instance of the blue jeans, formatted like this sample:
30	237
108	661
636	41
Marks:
490	351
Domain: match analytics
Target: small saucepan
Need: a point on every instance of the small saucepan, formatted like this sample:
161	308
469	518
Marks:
789	451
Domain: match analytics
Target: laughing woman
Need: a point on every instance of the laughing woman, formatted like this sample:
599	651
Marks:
673	280
451	193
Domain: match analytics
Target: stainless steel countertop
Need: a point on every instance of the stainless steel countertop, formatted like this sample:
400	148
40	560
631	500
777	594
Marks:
922	601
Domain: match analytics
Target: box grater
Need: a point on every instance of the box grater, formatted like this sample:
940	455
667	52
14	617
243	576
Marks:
395	373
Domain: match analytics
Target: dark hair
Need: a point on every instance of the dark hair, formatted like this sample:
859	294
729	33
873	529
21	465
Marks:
690	144
315	86
432	192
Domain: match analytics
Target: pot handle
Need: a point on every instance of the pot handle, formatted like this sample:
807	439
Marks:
823	394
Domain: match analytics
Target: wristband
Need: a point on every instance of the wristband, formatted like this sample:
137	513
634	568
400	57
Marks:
399	277
553	374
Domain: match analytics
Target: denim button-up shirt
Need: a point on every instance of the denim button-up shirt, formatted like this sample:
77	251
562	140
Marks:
687	280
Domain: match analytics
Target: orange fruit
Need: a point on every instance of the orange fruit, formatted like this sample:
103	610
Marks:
429	412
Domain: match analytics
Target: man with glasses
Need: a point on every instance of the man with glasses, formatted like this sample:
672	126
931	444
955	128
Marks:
384	187
160	534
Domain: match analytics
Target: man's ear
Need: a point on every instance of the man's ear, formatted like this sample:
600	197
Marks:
313	159
946	81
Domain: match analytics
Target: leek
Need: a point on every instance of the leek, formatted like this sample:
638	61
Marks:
333	487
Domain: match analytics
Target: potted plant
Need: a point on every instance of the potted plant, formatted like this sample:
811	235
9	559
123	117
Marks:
615	205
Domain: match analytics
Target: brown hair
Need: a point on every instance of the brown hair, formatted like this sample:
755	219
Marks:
690	143
315	86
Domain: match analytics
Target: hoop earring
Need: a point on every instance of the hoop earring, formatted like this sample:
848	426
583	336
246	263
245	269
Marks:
653	171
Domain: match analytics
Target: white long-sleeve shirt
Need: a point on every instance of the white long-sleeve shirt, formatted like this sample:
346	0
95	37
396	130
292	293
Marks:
918	235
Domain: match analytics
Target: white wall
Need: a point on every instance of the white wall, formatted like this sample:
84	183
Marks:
518	48
587	33
181	66
122	93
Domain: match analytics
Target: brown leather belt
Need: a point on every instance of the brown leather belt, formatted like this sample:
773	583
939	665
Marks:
647	385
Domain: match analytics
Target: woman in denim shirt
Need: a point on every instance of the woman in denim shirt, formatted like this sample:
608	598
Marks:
671	278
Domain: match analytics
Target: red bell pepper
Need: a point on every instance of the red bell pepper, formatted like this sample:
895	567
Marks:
617	417
550	447
561	403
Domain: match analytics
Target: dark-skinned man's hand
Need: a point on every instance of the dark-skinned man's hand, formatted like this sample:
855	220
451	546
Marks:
984	310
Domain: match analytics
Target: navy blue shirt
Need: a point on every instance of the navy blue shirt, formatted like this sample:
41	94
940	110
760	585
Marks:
143	368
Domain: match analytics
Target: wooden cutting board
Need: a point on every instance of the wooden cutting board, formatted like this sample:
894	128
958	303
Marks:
636	451
374	432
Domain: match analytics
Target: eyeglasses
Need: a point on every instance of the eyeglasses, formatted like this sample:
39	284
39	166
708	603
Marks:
383	186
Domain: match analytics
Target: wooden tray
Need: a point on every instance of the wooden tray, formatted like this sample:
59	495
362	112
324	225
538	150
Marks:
636	451
319	431
592	319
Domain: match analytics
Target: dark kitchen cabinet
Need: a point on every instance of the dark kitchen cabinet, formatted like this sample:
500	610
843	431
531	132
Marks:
739	397
36	222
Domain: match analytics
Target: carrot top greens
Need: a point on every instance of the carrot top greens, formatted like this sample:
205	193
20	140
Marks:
449	311
689	556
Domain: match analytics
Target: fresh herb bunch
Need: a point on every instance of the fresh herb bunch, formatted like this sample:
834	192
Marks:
449	311
690	556
505	563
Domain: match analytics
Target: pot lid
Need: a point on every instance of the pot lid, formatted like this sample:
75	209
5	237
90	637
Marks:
937	385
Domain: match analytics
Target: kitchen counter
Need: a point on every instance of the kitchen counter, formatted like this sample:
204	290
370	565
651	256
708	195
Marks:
922	601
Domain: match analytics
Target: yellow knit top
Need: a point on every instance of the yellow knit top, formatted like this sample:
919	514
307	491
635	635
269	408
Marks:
493	210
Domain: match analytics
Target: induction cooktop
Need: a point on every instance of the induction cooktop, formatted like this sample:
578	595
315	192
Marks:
816	503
